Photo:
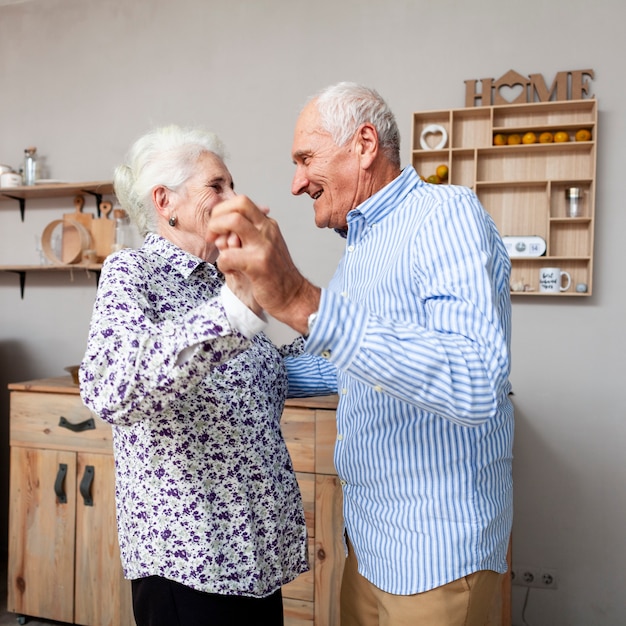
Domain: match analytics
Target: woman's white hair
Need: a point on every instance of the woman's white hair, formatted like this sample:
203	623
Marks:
345	106
164	156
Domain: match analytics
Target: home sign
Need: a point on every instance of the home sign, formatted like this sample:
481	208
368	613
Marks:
514	88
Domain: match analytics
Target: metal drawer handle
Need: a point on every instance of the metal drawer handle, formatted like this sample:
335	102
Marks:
88	424
85	485
59	487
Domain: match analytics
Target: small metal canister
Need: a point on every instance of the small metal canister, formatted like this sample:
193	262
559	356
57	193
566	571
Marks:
574	197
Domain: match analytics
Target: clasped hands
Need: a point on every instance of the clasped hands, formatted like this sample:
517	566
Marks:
257	264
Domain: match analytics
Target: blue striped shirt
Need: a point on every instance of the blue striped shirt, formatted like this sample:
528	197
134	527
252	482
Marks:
413	332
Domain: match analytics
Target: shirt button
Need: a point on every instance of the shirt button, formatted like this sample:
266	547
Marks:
344	391
342	483
344	294
326	354
350	248
378	388
339	437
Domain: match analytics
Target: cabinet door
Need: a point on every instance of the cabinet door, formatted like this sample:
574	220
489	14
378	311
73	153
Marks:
330	555
41	533
103	597
298	595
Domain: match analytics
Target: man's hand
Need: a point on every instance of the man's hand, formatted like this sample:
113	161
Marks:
251	244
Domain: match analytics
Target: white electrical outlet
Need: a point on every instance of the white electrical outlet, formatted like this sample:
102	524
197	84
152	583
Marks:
537	577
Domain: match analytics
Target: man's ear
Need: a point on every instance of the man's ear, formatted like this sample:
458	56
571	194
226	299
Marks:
161	200
367	144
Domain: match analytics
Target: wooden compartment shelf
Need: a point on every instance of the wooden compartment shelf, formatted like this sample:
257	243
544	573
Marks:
522	186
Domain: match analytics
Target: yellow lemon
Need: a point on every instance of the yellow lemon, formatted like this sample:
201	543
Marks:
433	179
529	138
583	135
546	137
514	139
561	136
442	172
499	140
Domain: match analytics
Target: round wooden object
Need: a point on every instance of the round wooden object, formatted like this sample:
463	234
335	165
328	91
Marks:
75	253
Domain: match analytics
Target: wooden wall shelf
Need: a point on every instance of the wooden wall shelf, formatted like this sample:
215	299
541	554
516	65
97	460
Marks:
523	186
22	270
98	189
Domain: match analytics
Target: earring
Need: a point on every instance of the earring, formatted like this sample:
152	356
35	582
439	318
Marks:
172	221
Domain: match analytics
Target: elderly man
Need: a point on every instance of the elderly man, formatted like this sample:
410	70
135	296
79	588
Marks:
413	332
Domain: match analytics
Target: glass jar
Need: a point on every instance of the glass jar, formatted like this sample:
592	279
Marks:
29	174
123	232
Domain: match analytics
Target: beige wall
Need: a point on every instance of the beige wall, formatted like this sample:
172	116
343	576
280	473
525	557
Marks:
80	79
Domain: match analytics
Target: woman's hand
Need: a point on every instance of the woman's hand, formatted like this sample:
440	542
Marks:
241	286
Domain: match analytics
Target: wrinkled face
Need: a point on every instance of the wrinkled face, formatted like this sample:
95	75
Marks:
209	185
191	204
329	173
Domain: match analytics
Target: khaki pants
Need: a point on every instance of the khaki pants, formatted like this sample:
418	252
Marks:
463	602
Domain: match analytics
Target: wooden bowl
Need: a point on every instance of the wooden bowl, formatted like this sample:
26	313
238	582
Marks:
73	370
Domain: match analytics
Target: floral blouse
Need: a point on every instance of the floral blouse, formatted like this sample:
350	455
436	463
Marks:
205	489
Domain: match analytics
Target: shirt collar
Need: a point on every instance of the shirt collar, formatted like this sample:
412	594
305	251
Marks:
185	262
378	206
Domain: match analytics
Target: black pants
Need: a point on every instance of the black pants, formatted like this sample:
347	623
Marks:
161	602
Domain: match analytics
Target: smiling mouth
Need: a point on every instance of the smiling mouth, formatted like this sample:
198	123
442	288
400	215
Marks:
315	196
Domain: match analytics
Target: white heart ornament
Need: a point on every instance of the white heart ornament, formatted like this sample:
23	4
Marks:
434	129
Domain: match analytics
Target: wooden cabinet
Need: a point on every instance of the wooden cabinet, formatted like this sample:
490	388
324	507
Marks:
64	561
523	186
309	429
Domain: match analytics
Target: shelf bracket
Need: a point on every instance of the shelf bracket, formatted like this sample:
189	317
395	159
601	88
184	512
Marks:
22	276
97	196
96	272
22	202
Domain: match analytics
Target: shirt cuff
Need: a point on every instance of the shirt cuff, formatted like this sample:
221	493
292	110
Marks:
328	336
239	316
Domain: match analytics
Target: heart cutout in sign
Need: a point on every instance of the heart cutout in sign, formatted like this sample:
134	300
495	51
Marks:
511	93
433	137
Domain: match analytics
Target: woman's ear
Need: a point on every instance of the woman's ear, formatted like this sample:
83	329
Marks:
161	200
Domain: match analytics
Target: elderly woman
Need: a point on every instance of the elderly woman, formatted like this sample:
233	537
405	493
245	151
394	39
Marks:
209	512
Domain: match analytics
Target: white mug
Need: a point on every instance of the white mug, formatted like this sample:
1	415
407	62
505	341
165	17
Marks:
551	280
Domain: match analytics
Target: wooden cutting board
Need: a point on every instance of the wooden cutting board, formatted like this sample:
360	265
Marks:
103	232
70	234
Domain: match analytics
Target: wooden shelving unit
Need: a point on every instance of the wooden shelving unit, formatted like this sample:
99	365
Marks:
523	186
9	196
